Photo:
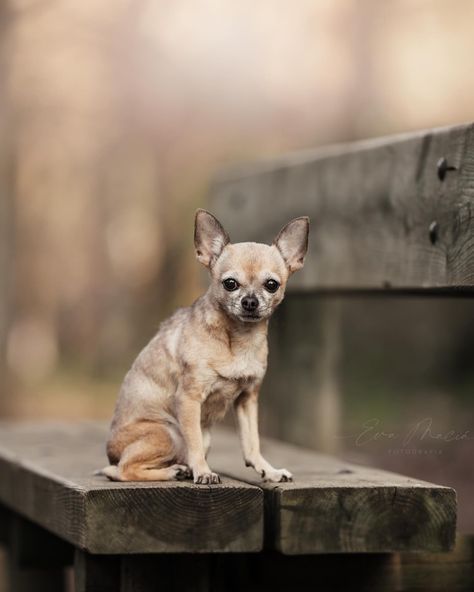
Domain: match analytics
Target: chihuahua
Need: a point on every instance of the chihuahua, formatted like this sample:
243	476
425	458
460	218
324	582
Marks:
204	359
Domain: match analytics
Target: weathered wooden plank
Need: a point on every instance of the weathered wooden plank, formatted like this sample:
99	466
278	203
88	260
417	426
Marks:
336	507
382	218
326	509
46	475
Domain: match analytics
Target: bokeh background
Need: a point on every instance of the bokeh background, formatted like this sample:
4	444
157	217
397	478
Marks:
114	117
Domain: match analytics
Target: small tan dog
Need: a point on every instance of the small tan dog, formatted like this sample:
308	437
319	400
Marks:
203	359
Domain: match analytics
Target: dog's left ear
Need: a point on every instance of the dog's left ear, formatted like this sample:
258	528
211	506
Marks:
209	237
292	242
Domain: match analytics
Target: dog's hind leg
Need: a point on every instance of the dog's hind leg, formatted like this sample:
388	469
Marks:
145	473
150	458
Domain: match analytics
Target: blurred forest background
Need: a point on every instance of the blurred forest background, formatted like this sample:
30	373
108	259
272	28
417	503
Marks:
115	115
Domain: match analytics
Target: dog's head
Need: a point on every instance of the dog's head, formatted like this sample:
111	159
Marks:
249	279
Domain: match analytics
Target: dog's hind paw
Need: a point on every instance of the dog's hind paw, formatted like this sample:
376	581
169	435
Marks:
181	472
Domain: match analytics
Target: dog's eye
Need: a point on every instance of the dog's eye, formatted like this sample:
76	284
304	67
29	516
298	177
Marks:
230	284
271	285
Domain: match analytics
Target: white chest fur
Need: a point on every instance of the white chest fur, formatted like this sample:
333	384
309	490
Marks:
232	378
246	361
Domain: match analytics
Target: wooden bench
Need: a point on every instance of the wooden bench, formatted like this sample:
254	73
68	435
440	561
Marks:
389	216
56	507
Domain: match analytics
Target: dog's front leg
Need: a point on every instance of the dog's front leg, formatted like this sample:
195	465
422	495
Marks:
246	409
190	422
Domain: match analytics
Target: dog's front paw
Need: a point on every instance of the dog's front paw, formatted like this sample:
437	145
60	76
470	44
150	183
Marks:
206	478
277	476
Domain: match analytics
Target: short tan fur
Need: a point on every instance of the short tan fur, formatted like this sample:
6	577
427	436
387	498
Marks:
204	359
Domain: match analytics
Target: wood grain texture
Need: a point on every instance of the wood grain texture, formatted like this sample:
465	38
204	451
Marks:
336	507
331	507
46	475
371	206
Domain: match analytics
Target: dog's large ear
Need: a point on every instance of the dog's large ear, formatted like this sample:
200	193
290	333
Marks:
209	238
292	242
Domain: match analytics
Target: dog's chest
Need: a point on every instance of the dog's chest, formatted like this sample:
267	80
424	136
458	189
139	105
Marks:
222	394
240	369
243	362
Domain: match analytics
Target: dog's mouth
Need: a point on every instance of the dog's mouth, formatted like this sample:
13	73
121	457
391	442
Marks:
250	316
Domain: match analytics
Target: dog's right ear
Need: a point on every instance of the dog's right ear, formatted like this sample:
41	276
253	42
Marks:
292	242
209	238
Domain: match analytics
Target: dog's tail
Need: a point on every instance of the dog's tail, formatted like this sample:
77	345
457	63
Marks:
112	472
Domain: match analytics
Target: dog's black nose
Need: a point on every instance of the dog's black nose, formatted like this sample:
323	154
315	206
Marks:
249	303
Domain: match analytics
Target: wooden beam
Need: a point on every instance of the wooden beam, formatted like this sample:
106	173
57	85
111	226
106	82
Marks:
35	559
46	474
183	573
270	570
96	573
439	571
336	507
4	524
386	214
36	547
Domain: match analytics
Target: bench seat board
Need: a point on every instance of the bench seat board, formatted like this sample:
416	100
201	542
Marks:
332	506
46	475
384	215
337	507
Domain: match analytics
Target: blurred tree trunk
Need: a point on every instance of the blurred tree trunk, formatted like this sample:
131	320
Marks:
6	197
6	263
